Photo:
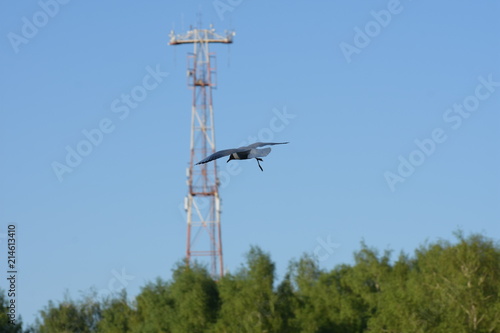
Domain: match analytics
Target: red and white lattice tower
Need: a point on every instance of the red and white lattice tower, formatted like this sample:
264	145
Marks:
202	202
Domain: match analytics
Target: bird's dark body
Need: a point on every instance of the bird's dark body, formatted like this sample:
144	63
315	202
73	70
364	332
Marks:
241	155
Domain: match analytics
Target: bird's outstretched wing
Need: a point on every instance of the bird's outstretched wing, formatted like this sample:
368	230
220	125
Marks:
222	153
262	144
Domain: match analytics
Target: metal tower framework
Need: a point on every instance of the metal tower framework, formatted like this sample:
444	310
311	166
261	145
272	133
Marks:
202	203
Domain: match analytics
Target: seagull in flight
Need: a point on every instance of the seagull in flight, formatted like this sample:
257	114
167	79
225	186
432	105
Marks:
244	153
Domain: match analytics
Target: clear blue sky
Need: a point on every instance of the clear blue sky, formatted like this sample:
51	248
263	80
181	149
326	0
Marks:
358	93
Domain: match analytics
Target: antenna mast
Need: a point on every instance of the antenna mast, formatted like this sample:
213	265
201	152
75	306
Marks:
202	203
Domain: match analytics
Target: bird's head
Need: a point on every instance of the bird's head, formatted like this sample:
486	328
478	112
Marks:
230	158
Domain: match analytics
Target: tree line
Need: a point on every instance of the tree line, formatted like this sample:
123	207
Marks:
443	287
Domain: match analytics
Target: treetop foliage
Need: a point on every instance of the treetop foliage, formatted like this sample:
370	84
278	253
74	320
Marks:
443	287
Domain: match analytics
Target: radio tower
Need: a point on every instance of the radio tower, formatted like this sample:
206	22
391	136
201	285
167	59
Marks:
202	203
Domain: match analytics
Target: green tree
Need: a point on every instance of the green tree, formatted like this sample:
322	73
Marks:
398	302
154	308
195	298
445	288
341	300
5	321
285	306
463	282
310	314
187	304
248	300
362	287
70	316
117	315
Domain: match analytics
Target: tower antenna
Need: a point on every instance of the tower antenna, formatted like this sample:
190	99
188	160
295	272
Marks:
202	203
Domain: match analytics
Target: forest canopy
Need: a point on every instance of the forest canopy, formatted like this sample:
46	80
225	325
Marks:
443	287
